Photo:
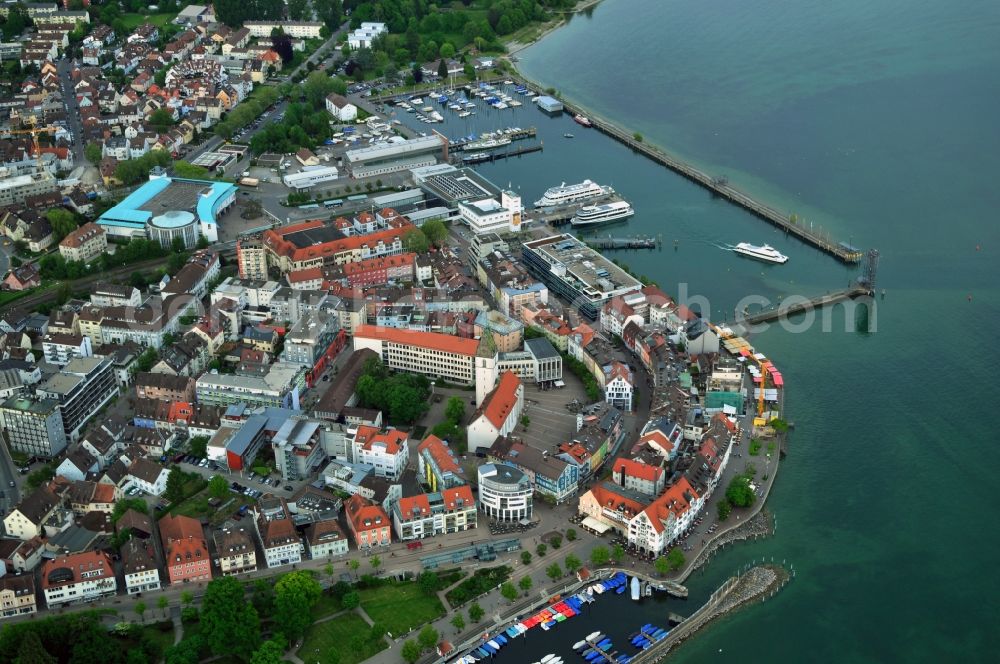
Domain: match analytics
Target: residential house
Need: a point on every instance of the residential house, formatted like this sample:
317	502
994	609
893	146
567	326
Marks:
368	522
149	476
17	595
386	451
27	519
425	515
185	549
325	539
79	577
235	551
276	529
142	573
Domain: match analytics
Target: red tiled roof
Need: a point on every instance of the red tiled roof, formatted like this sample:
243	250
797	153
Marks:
439	452
276	242
309	274
611	500
413	507
643	471
378	263
455	494
675	500
78	563
429	340
393	439
498	404
364	515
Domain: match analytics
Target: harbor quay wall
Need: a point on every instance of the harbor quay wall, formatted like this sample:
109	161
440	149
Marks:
758	583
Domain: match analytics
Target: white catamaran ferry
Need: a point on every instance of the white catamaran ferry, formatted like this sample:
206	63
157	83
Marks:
766	253
592	215
572	193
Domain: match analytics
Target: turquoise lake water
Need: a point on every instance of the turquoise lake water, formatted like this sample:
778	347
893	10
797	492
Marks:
878	121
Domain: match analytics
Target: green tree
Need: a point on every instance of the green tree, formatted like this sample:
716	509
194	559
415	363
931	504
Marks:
724	509
553	571
476	612
455	410
508	591
662	566
228	621
198	446
525	584
571	534
469	71
262	598
410	651
429	583
354	565
415	241
316	87
375	562
218	486
187	597
161	119
351	600
599	556
162	603
526	557
541	549
295	594
443	68
435	231
556	541
675	559
93	152
572	564
618	553
175	486
447	51
427	638
31	650
458	622
63	222
739	492
140	609
270	652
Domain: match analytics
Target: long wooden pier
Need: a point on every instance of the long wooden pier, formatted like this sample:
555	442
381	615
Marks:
801	305
495	156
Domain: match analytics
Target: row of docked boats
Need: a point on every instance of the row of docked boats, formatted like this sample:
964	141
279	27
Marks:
614	584
647	635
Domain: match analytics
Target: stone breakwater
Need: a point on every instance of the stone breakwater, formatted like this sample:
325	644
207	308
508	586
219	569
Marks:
756	584
760	525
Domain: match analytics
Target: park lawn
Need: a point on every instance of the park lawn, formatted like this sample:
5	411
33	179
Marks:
401	607
339	633
326	605
133	20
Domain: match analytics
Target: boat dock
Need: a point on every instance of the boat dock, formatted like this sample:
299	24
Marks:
513	134
558	216
485	157
802	305
613	243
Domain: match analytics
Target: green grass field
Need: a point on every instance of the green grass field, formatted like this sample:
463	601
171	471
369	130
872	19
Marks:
400	607
133	21
339	634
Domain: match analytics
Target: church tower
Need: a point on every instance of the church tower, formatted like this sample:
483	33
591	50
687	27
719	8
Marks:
486	366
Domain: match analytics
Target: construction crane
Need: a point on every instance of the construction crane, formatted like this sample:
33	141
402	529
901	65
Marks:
34	131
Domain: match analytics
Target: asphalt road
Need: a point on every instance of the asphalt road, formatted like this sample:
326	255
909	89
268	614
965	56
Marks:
64	66
8	474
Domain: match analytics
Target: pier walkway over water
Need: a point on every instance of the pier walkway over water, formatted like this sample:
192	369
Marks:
802	305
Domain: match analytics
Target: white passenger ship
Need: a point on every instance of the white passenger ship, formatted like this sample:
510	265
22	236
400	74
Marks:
592	215
766	253
572	193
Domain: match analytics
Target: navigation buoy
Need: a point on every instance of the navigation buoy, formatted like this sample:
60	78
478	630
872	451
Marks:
969	297
977	247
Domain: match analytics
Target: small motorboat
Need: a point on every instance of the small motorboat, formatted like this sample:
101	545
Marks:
548	659
567	135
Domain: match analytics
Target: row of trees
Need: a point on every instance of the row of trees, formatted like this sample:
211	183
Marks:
133	171
246	112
